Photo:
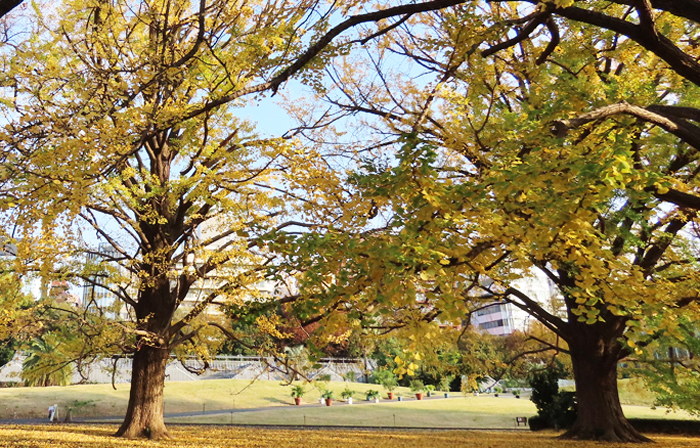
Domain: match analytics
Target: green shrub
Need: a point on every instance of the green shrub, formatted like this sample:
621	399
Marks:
557	409
386	378
445	382
416	385
537	423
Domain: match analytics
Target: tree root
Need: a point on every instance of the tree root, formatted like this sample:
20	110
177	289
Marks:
618	434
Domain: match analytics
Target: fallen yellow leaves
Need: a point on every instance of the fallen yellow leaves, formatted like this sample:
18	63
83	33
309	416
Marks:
71	436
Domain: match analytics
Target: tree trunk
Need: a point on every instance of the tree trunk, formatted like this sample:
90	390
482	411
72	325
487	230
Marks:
599	414
144	416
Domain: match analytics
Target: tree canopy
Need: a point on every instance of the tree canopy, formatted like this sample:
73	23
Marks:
126	126
463	148
557	138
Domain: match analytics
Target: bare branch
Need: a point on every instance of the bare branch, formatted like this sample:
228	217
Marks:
315	49
527	30
556	38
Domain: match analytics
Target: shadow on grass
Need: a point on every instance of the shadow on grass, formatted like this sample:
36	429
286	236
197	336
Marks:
278	400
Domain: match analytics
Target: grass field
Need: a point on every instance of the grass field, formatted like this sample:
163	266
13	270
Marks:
95	401
191	396
72	436
187	396
460	412
634	391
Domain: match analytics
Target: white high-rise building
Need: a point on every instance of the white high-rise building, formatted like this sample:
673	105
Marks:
495	318
501	318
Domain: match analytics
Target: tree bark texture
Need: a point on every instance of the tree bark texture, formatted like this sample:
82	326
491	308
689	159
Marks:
144	415
599	413
154	310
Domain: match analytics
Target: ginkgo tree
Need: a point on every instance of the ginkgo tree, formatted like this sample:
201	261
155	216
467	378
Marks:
557	137
124	124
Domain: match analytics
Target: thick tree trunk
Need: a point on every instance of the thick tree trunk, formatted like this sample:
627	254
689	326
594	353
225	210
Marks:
599	414
144	416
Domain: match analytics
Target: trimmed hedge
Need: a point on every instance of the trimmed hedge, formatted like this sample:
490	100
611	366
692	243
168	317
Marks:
537	423
664	426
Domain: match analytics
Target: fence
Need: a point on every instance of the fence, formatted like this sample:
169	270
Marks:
221	367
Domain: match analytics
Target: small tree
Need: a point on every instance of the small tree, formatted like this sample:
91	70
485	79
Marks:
416	385
386	378
445	382
555	409
46	364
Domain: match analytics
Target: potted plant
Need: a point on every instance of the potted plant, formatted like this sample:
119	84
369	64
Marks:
347	395
388	381
298	391
516	392
429	389
497	390
328	396
417	387
320	383
373	395
445	382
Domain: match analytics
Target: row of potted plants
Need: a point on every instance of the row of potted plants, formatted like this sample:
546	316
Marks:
389	381
416	386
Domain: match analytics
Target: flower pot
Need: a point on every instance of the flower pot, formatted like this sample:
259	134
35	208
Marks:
320	400
447	395
297	400
400	398
419	395
376	400
390	395
517	396
495	395
349	400
329	401
429	394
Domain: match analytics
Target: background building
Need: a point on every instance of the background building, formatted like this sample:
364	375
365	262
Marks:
98	291
496	318
501	319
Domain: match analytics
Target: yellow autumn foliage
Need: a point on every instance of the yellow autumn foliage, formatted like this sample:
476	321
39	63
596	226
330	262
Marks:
62	436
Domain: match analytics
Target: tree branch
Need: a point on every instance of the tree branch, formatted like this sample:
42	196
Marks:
682	129
8	5
315	49
528	29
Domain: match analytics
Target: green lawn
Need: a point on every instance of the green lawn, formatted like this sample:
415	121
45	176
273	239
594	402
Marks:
460	412
634	391
181	396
